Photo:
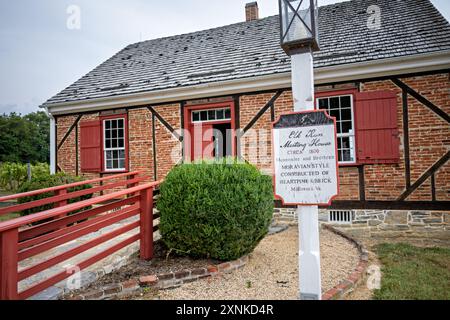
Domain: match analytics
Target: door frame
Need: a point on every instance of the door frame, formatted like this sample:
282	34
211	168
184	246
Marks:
188	125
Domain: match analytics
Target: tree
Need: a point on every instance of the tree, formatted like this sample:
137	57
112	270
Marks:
24	138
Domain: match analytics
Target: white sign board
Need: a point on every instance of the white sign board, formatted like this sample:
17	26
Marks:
305	158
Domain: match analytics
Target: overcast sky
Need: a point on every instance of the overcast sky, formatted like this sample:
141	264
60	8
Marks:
40	55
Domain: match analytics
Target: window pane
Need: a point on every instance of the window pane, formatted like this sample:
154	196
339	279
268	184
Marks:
108	155
107	124
335	113
122	154
122	164
228	113
346	114
113	143
345	143
108	134
121	143
345	102
211	115
113	124
195	116
108	144
323	103
220	114
114	134
115	164
204	116
346	126
346	155
108	164
334	103
120	123
120	133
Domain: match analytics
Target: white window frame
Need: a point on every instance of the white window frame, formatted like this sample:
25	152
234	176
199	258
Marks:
105	150
210	121
351	134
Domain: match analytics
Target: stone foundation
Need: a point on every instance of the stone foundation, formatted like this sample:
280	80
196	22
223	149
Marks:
413	226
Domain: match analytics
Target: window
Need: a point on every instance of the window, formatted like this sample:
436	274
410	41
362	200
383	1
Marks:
341	107
211	115
114	144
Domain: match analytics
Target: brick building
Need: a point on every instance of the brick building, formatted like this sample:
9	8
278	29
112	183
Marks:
387	85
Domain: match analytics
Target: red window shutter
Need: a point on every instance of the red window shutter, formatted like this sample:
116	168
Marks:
377	135
91	146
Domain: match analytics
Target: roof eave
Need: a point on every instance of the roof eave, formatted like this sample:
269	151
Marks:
346	72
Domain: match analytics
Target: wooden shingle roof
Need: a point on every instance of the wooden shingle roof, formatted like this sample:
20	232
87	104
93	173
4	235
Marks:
250	49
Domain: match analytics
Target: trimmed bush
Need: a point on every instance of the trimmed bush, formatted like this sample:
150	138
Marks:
48	181
218	210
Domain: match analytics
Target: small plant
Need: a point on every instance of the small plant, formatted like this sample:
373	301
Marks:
218	210
248	284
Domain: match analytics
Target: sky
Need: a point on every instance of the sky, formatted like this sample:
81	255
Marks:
44	47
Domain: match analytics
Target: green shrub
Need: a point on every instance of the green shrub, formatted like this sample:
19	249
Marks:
215	209
47	181
14	175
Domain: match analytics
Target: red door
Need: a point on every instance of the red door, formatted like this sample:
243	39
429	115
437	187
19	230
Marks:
202	141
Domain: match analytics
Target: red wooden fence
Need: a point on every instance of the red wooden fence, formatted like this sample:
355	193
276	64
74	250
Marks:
27	236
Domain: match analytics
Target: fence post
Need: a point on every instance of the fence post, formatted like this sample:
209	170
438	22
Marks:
131	185
61	203
9	264
146	227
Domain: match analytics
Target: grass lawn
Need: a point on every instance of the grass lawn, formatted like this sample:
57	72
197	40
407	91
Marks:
413	273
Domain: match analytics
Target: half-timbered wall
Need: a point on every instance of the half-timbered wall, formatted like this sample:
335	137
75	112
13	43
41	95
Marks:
154	145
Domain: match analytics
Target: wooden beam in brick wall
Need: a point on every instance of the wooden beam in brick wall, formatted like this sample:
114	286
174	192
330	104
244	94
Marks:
262	111
421	99
166	124
74	124
431	171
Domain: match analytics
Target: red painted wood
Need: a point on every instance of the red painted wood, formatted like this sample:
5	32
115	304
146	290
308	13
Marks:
8	264
27	272
66	186
91	146
44	241
59	237
82	265
377	136
78	231
53	225
192	139
146	224
60	200
51	213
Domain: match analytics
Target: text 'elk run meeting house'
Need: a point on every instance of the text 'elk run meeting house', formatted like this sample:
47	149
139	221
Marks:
216	93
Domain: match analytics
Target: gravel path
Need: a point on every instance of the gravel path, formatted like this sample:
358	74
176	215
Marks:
271	272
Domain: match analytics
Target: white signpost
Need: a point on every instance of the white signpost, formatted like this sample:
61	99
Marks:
305	165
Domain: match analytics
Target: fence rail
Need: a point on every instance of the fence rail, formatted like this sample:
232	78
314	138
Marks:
28	236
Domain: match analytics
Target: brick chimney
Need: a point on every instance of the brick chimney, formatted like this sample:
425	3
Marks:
251	11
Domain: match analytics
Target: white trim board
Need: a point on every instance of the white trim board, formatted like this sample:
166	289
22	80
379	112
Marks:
347	72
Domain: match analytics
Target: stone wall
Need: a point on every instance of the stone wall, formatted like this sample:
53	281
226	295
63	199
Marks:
414	226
